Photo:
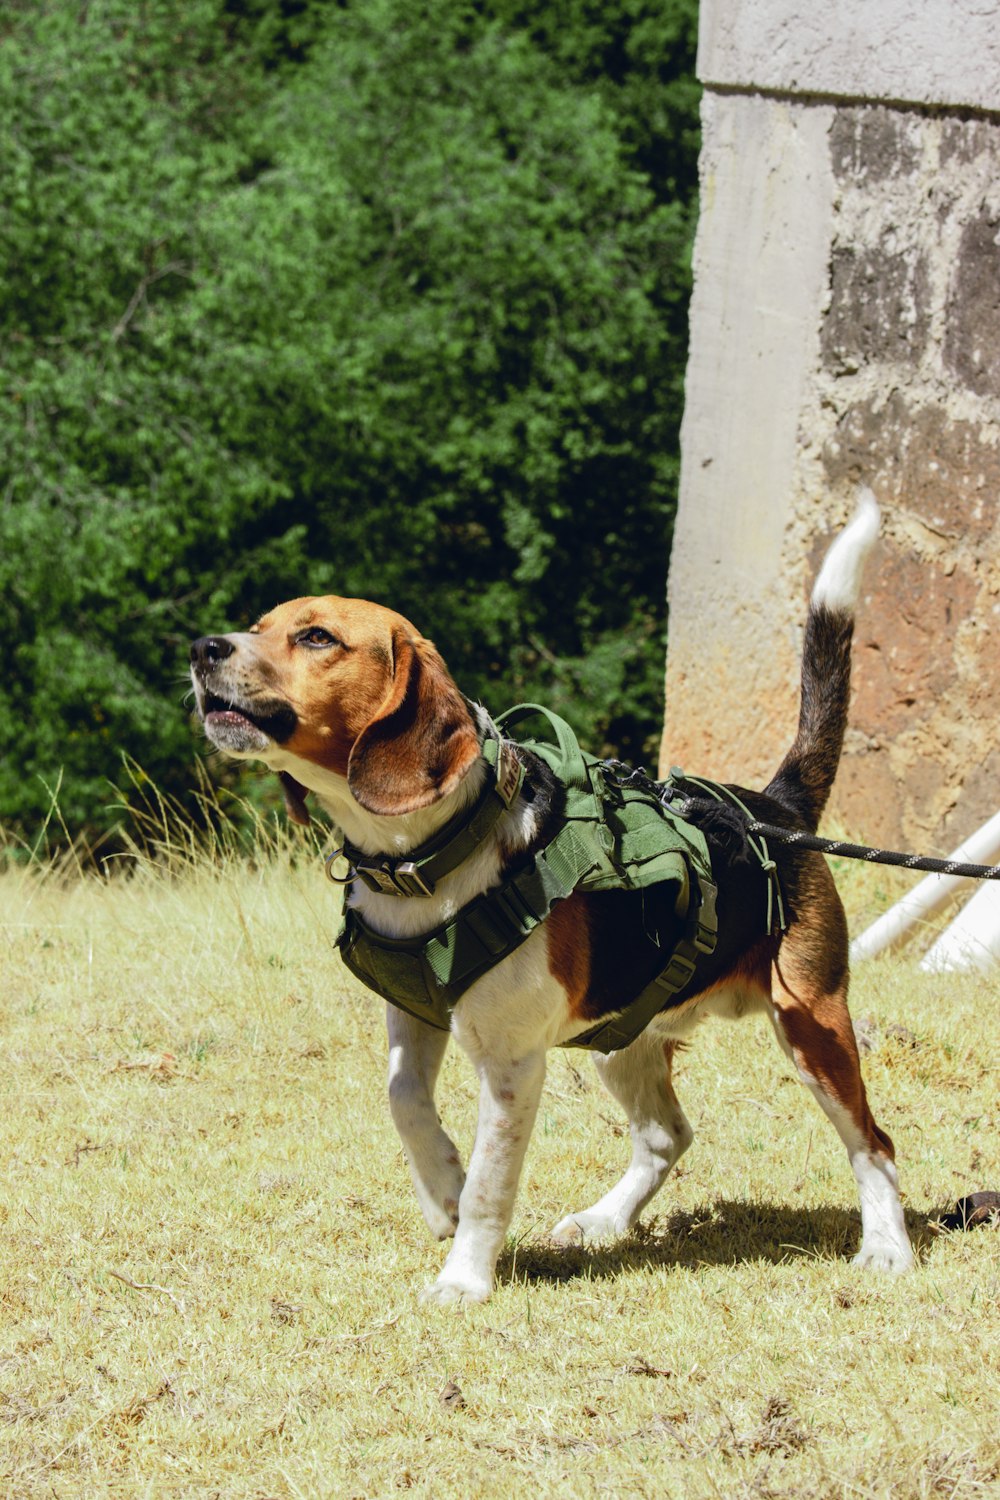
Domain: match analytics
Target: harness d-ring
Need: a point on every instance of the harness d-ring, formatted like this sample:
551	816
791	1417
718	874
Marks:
339	879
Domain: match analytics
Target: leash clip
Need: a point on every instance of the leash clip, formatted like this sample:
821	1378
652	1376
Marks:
339	879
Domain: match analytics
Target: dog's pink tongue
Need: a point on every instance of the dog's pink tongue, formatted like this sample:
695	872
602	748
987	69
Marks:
226	716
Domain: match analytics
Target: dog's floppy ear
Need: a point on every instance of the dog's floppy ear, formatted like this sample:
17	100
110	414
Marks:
295	799
421	742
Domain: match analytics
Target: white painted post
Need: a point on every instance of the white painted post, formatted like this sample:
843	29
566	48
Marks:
972	940
930	896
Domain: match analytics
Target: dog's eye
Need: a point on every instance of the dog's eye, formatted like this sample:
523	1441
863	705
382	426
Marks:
317	637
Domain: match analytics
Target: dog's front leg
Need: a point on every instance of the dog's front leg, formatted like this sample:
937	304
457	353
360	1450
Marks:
508	1102
415	1055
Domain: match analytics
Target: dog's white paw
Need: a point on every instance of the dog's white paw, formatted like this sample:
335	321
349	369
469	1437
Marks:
441	1219
449	1291
884	1255
585	1228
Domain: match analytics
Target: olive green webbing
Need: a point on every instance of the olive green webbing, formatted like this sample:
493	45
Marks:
776	916
611	838
427	975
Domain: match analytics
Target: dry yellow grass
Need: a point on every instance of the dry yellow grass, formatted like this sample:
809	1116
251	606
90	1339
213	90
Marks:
212	1256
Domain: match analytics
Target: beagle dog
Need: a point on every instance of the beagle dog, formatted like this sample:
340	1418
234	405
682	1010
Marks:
346	700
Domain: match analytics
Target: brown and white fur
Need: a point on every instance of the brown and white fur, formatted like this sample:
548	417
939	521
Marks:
346	700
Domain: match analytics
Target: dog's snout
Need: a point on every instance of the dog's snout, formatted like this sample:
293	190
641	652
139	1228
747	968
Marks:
210	649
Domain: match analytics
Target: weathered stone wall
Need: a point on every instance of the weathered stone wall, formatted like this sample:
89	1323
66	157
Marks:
845	328
907	397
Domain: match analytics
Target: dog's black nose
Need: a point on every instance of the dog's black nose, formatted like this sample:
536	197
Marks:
209	649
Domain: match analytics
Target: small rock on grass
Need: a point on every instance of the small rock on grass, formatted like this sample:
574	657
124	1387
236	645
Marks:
972	1211
451	1397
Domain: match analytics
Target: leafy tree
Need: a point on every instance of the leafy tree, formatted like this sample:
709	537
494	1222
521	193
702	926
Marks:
367	299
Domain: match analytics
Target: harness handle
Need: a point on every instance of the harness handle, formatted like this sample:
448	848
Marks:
574	767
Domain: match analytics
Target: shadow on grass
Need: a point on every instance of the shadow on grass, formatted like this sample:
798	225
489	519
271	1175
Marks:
717	1234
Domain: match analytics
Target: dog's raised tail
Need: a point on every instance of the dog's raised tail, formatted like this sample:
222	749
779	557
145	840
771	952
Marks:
805	776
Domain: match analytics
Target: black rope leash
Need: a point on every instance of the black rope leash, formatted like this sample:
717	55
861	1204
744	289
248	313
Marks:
875	856
624	775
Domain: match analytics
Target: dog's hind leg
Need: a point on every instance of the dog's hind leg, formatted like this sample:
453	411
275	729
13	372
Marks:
812	1023
415	1055
639	1078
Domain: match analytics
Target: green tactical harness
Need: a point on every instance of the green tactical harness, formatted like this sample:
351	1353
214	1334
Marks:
612	836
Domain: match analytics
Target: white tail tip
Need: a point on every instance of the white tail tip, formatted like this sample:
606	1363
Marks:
839	581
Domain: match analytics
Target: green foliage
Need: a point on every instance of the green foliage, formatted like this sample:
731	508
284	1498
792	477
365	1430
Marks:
369	299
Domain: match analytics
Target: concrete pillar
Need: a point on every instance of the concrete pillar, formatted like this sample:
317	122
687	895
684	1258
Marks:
845	327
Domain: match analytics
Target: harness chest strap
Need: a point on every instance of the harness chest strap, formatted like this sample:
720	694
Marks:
426	975
417	873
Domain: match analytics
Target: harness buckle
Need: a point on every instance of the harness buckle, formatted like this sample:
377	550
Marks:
679	972
409	880
378	878
391	879
706	921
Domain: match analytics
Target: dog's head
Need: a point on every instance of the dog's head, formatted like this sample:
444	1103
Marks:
343	686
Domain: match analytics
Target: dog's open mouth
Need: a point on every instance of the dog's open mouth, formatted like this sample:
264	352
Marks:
242	727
